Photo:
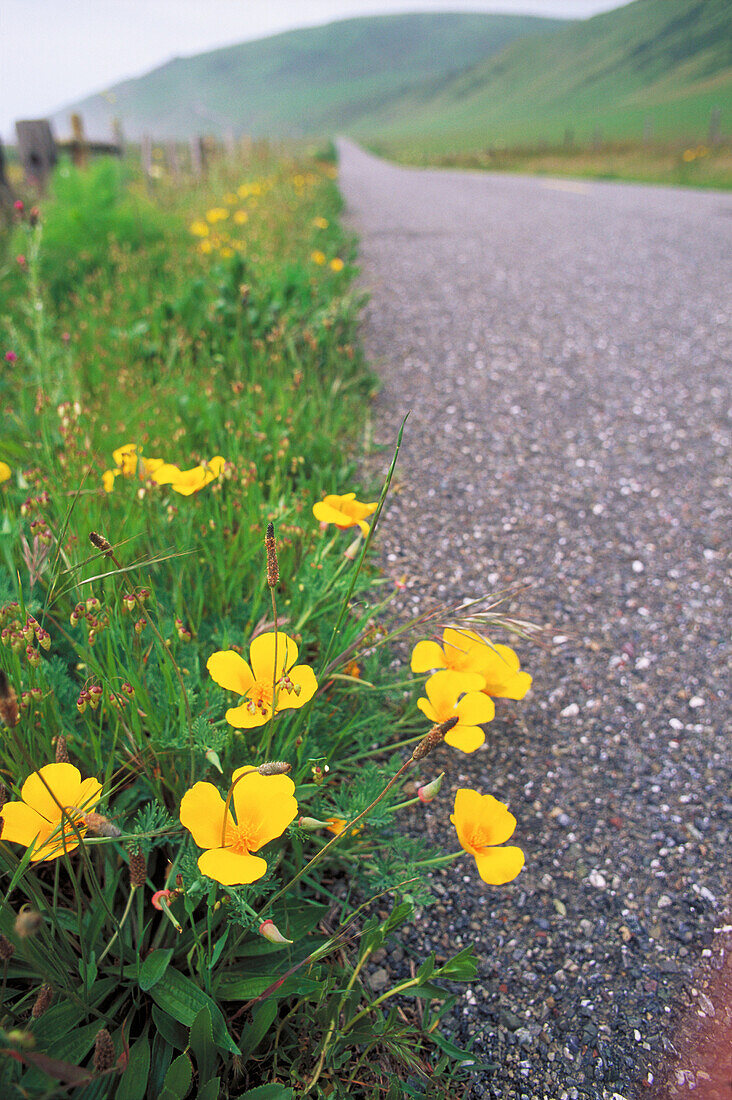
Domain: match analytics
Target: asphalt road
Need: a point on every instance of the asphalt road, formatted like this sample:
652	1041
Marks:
564	351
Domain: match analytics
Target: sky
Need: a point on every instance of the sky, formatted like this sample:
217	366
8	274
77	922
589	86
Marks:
53	52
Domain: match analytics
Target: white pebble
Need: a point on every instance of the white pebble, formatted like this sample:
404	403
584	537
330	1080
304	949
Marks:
571	711
596	879
696	701
638	566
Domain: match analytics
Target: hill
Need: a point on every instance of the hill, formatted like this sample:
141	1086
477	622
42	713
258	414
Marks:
663	63
306	82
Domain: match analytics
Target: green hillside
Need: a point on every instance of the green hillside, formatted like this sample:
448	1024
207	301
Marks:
305	82
665	61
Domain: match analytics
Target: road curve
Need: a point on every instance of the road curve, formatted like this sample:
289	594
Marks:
564	351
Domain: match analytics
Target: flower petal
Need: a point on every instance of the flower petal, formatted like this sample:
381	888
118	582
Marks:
202	813
229	670
514	688
262	655
304	677
497	866
231	868
265	806
22	824
241	717
465	738
444	688
426	656
428	710
165	474
90	792
65	782
472	708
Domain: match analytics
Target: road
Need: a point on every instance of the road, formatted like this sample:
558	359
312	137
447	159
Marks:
564	351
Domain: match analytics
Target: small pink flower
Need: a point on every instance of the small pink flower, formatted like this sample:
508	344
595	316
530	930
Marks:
19	205
66	336
11	357
20	260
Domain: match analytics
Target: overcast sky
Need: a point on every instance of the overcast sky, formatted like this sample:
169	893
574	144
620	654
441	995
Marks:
55	51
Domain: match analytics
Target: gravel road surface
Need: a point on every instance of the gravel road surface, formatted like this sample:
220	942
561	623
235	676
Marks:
564	350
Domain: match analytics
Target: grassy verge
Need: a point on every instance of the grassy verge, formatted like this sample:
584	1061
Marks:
674	164
194	685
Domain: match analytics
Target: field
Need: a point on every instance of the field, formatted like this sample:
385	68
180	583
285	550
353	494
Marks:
196	656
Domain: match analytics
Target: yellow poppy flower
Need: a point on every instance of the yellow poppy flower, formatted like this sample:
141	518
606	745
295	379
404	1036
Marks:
191	481
39	817
336	264
241	217
345	511
296	684
501	669
482	823
320	223
444	690
264	804
4	472
466	651
199	229
217	214
129	462
318	257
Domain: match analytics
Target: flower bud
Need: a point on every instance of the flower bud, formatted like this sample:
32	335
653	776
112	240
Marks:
430	791
138	869
310	824
273	569
44	638
271	932
95	693
140	626
62	753
34	657
82	701
93	604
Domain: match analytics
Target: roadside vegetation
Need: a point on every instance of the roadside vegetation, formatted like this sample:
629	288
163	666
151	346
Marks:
206	754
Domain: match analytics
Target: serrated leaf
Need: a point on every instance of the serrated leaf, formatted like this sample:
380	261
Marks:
181	999
154	967
202	1045
133	1083
173	1032
211	1090
268	1092
179	1076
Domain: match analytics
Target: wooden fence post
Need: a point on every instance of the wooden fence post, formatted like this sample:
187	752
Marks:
198	156
118	135
36	149
79	150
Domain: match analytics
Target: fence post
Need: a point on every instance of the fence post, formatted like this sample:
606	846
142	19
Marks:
79	151
173	160
198	156
118	135
36	149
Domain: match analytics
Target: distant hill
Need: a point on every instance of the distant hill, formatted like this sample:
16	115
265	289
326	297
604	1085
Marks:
662	63
306	82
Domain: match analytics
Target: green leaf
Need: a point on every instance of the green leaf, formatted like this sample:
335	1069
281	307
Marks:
181	999
211	1090
461	968
170	1029
202	1045
162	1055
133	1083
178	1078
427	969
260	1025
401	913
268	1092
154	967
427	990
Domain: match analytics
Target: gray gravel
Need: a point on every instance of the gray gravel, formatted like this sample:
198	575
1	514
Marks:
564	350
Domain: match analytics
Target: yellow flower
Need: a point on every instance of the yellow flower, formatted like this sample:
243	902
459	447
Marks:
481	823
320	223
39	816
191	481
336	264
129	462
230	198
336	825
4	472
241	217
205	247
466	651
444	690
345	511
264	804
318	257
217	214
199	229
296	684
